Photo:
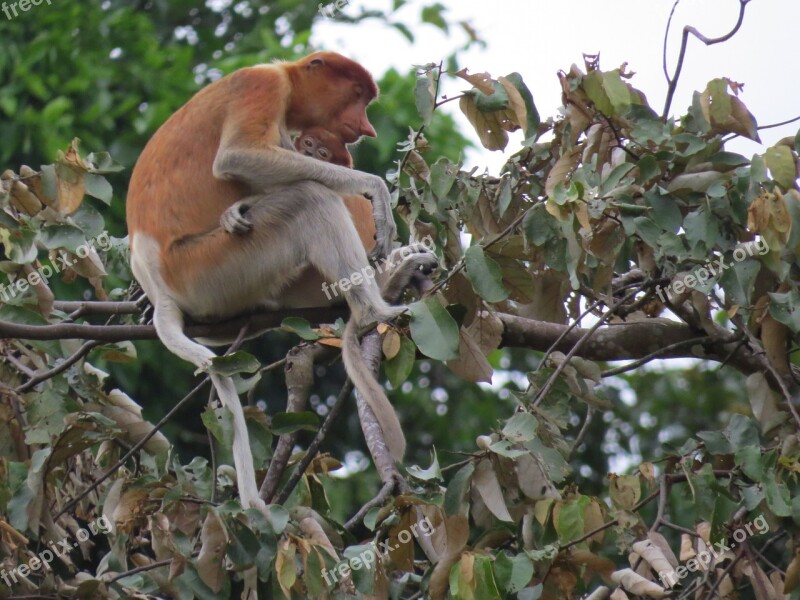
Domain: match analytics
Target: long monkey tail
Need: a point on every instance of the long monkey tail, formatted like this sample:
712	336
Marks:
372	391
168	320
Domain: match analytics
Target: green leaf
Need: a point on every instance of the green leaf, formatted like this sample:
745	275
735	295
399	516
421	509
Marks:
67	237
433	15
233	364
521	427
485	275
738	281
539	226
457	490
796	507
301	328
212	423
648	231
701	228
533	119
504	197
720	101
485	584
778	497
666	212
488	103
531	593
425	97
513	574
432	473
295	421
399	368
98	187
443	176
569	524
749	458
781	164
742	431
614	177
648	169
434	330
593	84
785	308
617	91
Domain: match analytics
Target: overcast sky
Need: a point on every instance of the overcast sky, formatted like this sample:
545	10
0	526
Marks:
540	37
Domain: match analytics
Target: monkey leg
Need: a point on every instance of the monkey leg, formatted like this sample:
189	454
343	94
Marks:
295	227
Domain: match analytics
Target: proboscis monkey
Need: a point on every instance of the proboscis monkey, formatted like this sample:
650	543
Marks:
225	219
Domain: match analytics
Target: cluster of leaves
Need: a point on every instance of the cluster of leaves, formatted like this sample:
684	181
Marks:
614	190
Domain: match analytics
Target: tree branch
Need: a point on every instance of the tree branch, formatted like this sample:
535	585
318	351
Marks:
616	341
673	81
299	379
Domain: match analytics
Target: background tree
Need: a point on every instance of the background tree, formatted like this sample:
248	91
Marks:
616	232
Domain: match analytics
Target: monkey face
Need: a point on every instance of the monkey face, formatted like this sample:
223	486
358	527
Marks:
323	145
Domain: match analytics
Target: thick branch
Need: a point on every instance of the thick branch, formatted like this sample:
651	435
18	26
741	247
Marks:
299	379
618	341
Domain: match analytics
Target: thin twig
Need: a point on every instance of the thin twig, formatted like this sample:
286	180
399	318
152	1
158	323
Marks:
673	81
781	124
383	495
156	565
313	448
608	525
584	430
654	355
574	350
60	368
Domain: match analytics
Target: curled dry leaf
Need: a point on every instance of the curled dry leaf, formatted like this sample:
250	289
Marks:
636	584
656	558
619	594
24	200
600	593
687	548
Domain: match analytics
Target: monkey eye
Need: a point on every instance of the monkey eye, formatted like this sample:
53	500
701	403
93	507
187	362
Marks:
308	143
317	62
324	154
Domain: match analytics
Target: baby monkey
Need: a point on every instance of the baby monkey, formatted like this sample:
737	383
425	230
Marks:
319	143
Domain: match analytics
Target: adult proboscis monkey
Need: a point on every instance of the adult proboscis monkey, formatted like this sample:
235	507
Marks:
224	218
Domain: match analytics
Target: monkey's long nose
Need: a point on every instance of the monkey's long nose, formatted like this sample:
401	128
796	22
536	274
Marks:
367	129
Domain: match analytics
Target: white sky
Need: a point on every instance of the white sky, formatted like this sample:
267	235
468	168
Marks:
539	37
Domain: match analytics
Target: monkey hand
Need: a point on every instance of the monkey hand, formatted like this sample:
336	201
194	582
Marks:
385	228
234	220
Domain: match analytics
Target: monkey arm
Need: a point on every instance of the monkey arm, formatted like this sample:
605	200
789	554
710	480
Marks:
263	169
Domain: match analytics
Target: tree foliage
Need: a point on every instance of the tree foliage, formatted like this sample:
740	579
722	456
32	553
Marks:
611	234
